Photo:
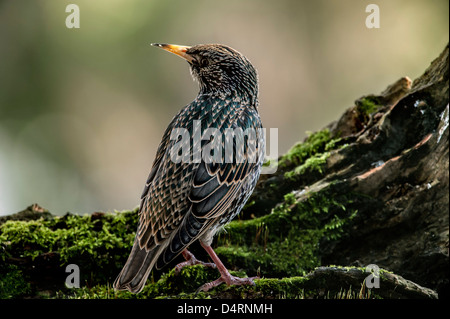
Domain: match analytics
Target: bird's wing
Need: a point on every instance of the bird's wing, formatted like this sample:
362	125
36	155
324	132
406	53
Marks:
181	200
162	204
217	185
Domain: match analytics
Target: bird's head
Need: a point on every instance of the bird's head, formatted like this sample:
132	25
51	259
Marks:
218	68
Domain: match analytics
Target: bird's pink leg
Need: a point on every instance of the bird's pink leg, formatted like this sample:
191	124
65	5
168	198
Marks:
225	277
191	260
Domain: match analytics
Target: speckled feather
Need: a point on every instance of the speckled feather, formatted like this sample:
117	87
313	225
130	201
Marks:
183	202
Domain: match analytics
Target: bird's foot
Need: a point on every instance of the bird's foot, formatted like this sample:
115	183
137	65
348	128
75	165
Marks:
229	280
225	275
191	260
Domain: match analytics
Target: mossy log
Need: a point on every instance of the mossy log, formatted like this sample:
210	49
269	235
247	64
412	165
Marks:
369	189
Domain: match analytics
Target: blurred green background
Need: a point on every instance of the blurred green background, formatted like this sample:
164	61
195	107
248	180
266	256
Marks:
82	110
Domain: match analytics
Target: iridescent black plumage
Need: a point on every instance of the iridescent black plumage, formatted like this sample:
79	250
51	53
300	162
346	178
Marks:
186	201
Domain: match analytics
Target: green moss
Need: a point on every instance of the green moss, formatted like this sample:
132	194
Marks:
293	255
182	285
101	291
286	242
185	285
286	288
12	282
187	281
309	156
312	164
99	245
368	105
351	293
315	143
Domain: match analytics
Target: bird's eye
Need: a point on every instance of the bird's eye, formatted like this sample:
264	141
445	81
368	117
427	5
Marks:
204	62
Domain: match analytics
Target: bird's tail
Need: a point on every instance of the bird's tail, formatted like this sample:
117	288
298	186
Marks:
137	268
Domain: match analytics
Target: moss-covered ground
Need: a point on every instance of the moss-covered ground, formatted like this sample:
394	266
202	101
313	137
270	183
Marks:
280	247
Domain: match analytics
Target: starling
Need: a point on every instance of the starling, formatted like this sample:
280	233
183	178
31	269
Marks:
193	198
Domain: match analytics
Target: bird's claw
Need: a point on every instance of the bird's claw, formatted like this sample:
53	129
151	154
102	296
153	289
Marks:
191	260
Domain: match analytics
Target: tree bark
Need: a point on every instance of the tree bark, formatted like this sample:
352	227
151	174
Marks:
397	157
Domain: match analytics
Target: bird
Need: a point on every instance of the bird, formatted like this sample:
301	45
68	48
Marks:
191	197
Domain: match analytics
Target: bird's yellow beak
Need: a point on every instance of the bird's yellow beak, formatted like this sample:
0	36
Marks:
179	50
